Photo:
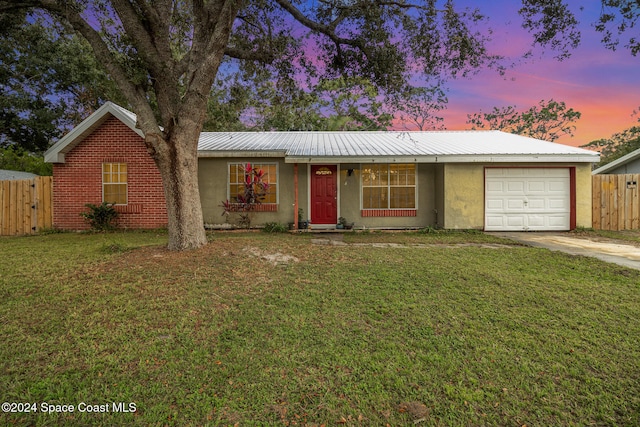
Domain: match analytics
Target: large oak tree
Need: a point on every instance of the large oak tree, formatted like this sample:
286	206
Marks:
164	56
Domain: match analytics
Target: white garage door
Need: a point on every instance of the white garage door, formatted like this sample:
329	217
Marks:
527	199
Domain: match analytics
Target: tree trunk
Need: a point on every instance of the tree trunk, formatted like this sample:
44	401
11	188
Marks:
178	165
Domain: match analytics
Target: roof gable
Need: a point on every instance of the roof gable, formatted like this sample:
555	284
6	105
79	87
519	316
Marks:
56	153
628	158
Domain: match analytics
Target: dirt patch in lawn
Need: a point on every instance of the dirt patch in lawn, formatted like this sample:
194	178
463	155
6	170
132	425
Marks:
227	260
275	258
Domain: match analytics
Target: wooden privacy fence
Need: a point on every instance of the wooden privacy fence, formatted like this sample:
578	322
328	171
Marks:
26	206
616	202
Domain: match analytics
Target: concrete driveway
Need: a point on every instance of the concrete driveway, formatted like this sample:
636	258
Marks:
616	253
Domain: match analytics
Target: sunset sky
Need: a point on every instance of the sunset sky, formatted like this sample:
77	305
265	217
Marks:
603	85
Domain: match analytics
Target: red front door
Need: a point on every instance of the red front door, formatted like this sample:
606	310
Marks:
324	194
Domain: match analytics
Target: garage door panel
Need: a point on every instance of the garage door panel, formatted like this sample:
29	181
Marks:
556	220
514	221
527	199
495	205
536	221
558	204
495	186
556	186
495	221
514	205
515	186
538	204
536	187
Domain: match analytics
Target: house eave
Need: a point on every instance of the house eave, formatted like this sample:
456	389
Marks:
617	163
505	158
204	154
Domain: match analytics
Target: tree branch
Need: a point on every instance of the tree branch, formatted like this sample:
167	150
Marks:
151	40
249	55
327	30
133	93
212	26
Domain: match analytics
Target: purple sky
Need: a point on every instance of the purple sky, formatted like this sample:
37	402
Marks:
603	85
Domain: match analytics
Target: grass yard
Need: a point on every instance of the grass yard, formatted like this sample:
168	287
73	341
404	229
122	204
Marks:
442	329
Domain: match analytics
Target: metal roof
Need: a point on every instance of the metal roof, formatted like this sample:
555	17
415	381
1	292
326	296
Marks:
350	147
356	146
9	175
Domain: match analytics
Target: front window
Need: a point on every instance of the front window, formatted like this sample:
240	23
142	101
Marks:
237	177
114	183
389	186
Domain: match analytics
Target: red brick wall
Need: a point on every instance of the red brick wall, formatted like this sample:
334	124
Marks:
78	181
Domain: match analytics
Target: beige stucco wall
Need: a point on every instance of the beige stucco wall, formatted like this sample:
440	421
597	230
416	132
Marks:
449	195
439	196
463	196
349	200
584	201
213	176
464	193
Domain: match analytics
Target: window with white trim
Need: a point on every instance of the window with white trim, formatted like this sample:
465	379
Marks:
389	186
114	183
236	181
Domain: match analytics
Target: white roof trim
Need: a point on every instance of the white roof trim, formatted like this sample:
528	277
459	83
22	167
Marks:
447	158
231	153
618	162
56	153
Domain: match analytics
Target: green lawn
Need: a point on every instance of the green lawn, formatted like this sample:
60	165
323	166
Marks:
443	329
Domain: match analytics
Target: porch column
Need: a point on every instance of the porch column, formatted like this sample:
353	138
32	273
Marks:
295	196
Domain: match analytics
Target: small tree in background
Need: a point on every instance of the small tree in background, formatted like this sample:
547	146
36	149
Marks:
16	159
618	145
549	120
419	107
255	190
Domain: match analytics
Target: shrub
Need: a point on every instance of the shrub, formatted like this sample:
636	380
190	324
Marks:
101	217
274	227
255	191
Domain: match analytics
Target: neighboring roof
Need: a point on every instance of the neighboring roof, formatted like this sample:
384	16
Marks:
354	146
56	153
7	175
358	146
618	162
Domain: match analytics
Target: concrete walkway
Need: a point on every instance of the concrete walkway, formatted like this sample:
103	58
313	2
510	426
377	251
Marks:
616	253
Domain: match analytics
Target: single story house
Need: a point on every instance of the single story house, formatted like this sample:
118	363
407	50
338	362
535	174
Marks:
487	180
629	163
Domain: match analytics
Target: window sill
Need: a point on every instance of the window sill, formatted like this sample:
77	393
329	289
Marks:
129	209
388	212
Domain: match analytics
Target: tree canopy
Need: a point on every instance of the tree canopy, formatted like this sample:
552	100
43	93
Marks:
49	82
617	145
549	120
